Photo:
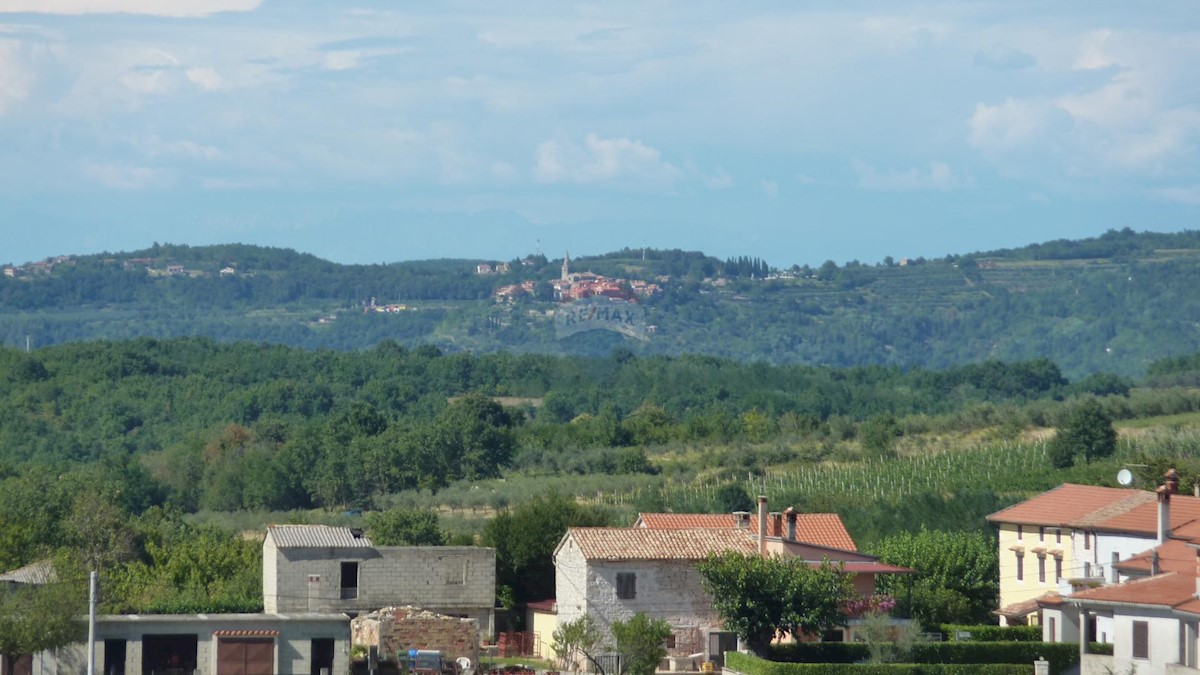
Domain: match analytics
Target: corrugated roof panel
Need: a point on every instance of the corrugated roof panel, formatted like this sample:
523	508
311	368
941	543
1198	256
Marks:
316	536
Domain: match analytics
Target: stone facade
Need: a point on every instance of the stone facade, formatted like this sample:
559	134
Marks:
459	581
663	589
395	630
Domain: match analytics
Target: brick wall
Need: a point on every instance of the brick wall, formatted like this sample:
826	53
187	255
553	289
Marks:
398	629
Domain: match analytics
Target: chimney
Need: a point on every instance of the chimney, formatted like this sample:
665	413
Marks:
1172	480
1164	513
742	518
762	525
790	514
776	524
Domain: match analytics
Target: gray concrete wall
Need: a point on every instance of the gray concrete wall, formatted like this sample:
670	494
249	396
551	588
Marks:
293	646
453	580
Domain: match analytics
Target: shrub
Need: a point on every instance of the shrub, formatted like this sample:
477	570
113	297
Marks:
752	665
989	633
1061	655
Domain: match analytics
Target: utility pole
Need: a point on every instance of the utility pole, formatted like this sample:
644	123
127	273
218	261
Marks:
91	661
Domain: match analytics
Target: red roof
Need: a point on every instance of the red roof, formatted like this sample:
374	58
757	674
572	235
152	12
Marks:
1165	590
820	529
1143	517
637	543
1064	505
1173	556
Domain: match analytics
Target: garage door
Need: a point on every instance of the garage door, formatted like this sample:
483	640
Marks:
246	656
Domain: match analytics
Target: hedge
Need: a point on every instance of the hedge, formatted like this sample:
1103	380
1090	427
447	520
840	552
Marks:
989	633
1061	655
752	665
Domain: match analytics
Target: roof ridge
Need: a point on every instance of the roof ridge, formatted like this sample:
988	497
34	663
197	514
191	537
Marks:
1116	508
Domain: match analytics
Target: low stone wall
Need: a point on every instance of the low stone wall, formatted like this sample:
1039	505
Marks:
395	630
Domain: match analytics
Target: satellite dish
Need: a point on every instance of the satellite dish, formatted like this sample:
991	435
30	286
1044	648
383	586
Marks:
1125	477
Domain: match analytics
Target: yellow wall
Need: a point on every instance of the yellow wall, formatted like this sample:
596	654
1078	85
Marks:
1013	590
544	624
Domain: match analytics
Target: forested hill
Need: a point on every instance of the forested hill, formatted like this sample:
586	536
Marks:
1108	304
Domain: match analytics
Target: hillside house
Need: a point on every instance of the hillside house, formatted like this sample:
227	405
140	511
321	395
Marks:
318	568
1075	536
611	574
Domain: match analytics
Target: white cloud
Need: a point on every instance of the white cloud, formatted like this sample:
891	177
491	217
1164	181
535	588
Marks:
1001	57
601	160
721	180
770	188
1189	195
155	147
126	177
205	78
172	8
935	176
16	79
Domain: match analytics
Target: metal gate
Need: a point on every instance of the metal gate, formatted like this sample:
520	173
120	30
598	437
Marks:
246	656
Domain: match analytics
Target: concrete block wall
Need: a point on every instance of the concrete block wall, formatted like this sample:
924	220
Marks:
446	579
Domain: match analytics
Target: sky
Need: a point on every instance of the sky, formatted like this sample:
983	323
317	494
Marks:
368	132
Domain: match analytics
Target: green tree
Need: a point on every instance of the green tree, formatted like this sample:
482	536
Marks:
732	497
879	432
35	618
763	598
641	641
578	638
525	537
405	527
1086	432
957	578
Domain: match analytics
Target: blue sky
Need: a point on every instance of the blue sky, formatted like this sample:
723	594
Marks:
797	132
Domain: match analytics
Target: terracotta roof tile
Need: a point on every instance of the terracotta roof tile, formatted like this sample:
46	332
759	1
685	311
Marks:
821	529
637	543
1143	517
1165	590
1063	505
1173	556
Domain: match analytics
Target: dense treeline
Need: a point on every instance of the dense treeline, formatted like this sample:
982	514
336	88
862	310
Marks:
193	423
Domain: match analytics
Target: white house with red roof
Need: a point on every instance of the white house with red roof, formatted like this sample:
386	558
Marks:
610	574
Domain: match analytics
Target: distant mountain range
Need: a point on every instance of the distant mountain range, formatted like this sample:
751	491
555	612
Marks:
1113	303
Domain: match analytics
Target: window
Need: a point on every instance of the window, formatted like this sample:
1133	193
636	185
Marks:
1058	536
626	585
1087	541
1052	624
1087	570
1141	640
1020	566
1020	532
1041	533
669	643
1042	569
1116	558
349	580
1057	569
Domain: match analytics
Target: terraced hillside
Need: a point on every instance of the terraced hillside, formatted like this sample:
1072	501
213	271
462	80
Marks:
1112	304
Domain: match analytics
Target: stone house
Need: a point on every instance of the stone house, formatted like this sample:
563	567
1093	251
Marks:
611	574
396	630
319	568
